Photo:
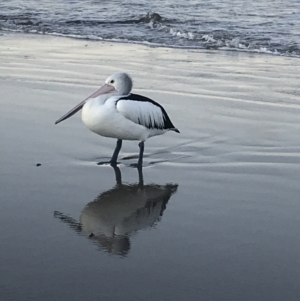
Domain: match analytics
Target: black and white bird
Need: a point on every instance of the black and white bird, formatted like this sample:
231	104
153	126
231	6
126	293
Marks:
113	111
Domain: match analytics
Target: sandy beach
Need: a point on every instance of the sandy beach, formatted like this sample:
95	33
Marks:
218	217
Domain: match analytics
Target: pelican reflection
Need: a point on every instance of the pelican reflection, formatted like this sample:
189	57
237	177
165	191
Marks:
117	213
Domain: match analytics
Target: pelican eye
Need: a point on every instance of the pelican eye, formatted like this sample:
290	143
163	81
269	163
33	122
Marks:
112	81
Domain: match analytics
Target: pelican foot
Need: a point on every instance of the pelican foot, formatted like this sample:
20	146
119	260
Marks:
136	165
108	163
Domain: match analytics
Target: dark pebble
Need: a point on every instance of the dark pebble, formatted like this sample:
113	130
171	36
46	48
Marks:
38	164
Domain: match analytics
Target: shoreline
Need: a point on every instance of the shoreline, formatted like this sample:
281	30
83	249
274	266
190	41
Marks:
156	45
191	65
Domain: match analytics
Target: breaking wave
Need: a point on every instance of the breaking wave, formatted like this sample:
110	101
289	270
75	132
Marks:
150	29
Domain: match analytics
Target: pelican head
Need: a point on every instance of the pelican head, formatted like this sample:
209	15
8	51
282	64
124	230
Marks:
121	82
116	84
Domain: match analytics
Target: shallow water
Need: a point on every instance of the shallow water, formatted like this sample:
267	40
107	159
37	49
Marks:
218	215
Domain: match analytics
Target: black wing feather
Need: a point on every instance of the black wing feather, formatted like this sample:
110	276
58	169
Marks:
167	125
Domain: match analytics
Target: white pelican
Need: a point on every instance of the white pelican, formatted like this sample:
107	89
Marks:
112	111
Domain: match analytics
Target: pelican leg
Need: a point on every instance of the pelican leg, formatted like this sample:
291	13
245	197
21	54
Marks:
141	145
113	160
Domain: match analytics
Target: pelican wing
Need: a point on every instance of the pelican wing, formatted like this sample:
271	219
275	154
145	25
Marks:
144	111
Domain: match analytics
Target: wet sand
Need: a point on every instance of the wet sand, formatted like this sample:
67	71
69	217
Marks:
218	215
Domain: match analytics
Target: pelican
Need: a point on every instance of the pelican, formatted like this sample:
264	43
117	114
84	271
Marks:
113	111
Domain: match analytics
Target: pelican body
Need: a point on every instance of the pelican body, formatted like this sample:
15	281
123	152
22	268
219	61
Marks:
114	112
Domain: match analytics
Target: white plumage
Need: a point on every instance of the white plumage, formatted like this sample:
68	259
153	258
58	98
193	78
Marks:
114	112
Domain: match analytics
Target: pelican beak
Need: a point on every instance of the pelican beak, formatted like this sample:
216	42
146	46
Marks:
103	90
